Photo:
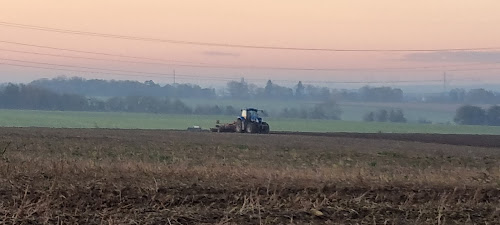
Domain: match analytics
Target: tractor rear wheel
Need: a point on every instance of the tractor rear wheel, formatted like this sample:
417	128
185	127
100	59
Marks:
239	126
265	128
251	128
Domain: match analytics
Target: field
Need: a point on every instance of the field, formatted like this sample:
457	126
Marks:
437	113
59	119
109	176
352	111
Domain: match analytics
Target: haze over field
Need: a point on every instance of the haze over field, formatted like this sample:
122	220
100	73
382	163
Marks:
211	42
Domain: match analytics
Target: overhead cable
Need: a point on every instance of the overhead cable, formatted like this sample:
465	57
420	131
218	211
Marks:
228	45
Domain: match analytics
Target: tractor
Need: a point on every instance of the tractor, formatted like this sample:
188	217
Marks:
248	122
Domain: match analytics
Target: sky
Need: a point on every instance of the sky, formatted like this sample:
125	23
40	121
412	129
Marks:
320	24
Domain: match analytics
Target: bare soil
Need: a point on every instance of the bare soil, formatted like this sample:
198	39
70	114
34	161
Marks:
96	176
451	139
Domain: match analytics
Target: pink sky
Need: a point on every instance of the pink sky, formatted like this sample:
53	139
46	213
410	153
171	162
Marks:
355	24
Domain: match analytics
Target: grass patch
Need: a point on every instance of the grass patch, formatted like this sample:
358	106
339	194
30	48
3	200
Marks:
60	119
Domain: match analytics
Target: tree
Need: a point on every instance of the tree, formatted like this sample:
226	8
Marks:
493	116
326	110
397	116
369	117
457	95
275	91
181	108
115	104
238	89
268	90
381	94
299	90
317	93
10	96
480	96
470	115
381	115
318	112
324	93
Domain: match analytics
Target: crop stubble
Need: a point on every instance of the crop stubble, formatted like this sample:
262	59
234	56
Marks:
96	176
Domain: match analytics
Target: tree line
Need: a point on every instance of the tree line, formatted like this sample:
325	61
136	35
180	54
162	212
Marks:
475	115
462	96
120	88
32	97
326	110
384	115
241	90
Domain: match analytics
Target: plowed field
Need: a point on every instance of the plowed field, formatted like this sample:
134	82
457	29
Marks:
451	139
102	176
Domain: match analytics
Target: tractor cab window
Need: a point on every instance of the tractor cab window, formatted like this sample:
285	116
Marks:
252	114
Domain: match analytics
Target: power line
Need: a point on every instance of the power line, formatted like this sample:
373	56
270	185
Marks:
94	53
184	77
163	74
170	64
387	69
113	71
110	73
82	67
80	57
135	38
69	70
116	60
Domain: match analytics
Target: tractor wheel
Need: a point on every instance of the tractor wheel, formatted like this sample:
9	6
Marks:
239	126
251	128
265	128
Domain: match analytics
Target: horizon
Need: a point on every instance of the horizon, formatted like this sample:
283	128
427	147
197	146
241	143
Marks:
408	88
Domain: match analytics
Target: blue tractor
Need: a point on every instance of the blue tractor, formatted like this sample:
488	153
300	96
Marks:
250	122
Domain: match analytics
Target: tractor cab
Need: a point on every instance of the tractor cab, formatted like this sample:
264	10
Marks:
251	114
